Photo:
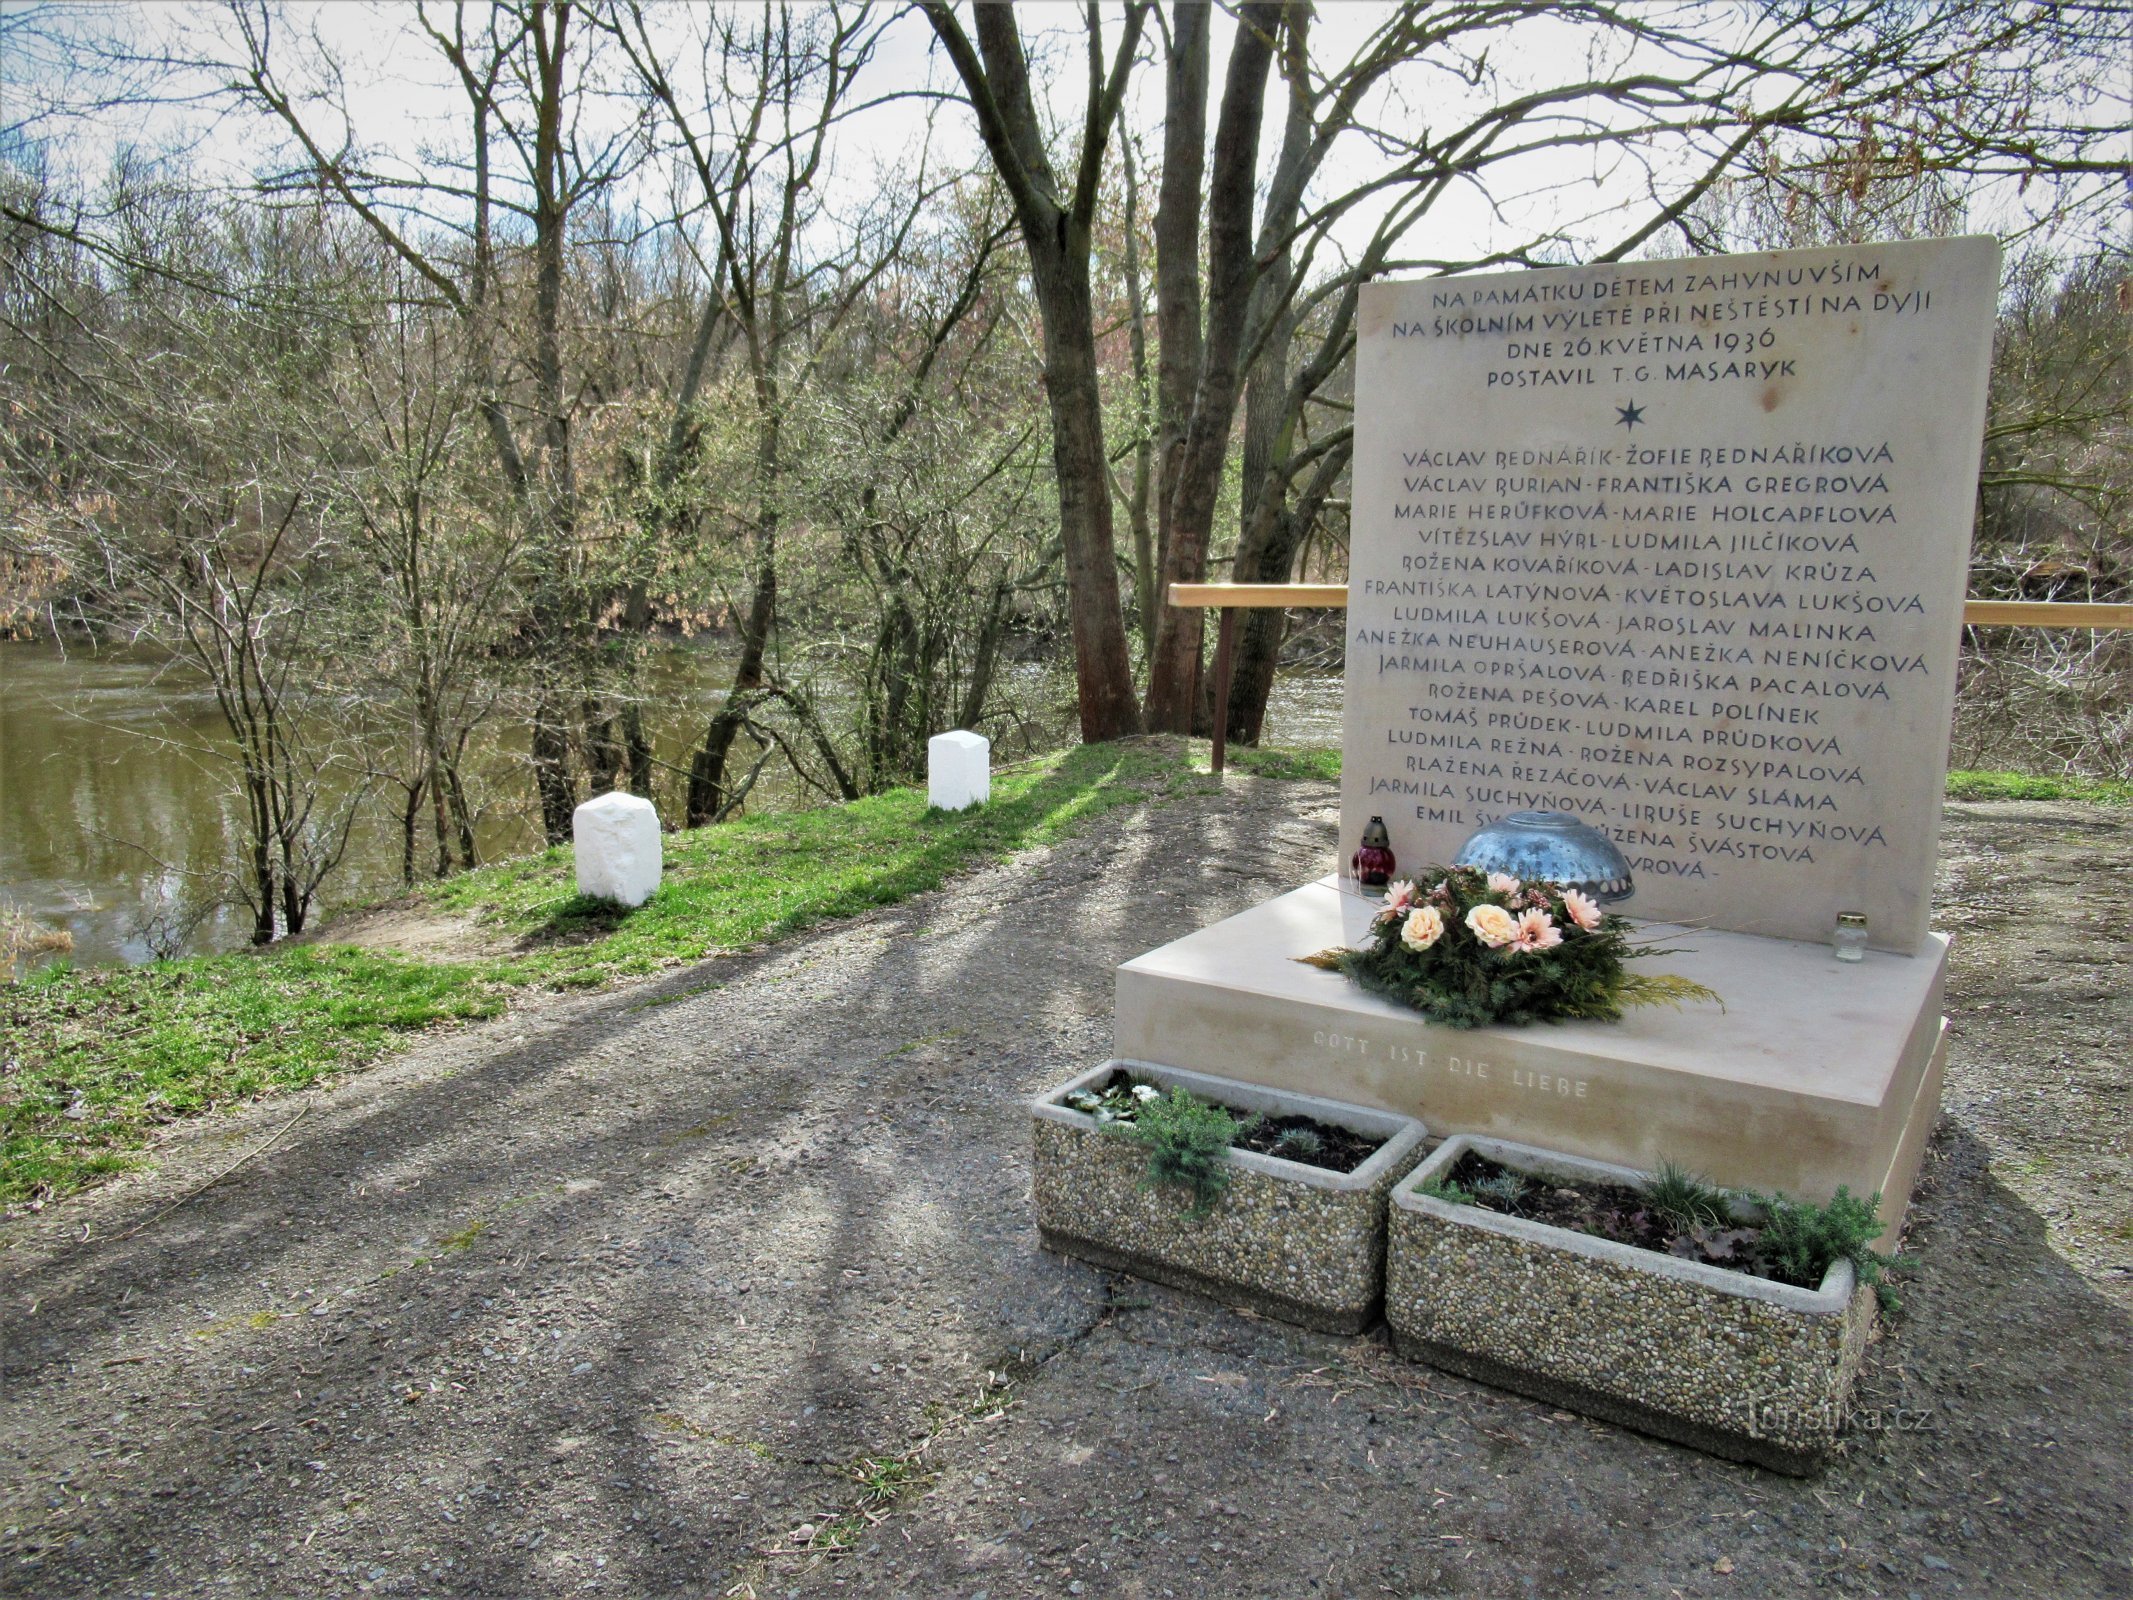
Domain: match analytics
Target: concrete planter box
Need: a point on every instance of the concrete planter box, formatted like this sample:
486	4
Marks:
1296	1242
1735	1365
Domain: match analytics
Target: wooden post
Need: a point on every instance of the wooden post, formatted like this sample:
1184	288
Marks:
1225	641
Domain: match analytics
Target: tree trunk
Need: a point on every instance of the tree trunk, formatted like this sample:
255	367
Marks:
707	770
462	814
1146	569
1191	494
1057	237
1102	672
1177	257
603	747
554	490
1259	640
1266	535
637	744
440	820
409	815
262	872
553	780
987	658
1279	530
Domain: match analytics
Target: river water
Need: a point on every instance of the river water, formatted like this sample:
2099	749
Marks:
115	797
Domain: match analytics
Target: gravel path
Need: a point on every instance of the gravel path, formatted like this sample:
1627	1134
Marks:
627	1293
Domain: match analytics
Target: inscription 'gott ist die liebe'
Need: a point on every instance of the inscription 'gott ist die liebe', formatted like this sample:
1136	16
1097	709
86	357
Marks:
1360	1046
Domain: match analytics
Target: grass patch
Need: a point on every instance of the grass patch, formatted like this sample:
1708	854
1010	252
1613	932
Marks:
883	1479
91	1061
762	878
1319	765
1967	785
464	1238
95	1059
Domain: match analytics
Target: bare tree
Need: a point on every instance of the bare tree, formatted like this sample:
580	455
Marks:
1437	102
432	573
522	70
776	93
169	476
1057	225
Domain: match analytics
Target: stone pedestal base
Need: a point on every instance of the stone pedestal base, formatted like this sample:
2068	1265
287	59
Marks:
1816	1074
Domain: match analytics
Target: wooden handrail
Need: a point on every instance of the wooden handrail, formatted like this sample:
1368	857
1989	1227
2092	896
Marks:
1230	598
1256	596
2045	614
1976	613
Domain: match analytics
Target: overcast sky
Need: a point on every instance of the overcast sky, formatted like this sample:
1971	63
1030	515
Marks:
403	106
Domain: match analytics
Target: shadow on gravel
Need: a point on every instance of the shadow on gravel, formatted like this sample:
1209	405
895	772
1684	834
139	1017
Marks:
615	1307
1188	1448
761	1254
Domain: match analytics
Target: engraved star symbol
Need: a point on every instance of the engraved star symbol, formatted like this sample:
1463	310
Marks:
1630	415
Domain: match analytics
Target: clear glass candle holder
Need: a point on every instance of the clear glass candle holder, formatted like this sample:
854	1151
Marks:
1848	939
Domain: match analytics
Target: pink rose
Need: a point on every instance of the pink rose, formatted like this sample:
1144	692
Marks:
1399	897
1536	930
1584	910
1424	927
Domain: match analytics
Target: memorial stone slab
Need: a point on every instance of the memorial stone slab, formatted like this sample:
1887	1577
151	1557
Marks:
1679	548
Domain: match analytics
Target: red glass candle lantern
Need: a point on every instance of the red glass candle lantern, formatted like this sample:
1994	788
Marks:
1373	860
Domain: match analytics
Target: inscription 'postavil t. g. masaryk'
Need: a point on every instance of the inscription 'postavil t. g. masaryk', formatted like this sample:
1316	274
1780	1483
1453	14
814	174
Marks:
1680	549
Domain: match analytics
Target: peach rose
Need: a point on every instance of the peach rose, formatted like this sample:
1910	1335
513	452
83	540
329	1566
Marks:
1583	909
1423	928
1492	925
1537	931
1502	883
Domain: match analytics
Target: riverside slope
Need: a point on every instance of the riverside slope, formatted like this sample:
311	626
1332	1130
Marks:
627	1293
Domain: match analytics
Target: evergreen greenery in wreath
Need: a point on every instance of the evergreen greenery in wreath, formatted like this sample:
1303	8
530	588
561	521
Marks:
1484	947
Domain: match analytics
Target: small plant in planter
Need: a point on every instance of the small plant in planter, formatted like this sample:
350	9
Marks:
1682	1196
1188	1143
1729	1321
1252	1195
1800	1242
1676	1212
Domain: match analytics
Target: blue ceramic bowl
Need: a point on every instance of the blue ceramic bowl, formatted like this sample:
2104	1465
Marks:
1548	844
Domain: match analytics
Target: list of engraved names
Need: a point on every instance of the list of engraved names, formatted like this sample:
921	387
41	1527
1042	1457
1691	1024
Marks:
1673	548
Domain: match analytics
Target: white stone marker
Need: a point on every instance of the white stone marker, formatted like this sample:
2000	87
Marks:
958	770
617	839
